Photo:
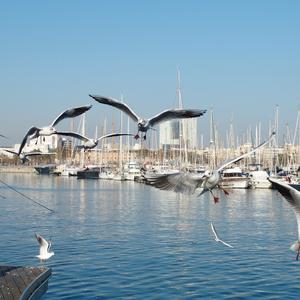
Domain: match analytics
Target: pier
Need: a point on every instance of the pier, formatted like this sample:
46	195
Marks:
23	282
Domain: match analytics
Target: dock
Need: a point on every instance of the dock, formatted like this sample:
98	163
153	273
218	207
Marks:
22	283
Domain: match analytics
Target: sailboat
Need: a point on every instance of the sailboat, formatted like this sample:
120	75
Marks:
120	175
86	172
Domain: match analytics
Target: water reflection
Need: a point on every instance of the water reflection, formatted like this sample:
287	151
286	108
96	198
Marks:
128	240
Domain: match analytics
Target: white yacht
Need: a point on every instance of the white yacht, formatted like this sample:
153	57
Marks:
234	178
258	179
132	170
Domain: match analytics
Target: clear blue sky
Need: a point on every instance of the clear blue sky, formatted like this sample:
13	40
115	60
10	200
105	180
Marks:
240	58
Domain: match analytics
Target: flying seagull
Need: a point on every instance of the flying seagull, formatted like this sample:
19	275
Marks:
35	132
24	156
188	183
145	124
44	248
217	239
293	198
91	143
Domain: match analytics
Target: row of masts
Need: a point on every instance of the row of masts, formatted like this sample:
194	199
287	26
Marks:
218	148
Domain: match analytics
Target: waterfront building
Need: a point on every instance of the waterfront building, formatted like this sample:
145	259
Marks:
174	132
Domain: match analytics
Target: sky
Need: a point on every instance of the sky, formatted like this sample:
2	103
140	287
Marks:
237	58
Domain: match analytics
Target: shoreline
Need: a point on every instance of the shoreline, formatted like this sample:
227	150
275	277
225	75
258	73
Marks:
17	169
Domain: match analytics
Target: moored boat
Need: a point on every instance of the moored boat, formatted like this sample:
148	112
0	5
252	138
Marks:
88	173
234	178
45	169
259	180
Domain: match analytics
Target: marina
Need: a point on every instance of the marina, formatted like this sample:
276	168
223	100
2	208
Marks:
149	150
129	240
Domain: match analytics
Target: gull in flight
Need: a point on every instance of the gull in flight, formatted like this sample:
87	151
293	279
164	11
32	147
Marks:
293	198
44	248
188	183
217	239
90	143
24	156
35	132
145	124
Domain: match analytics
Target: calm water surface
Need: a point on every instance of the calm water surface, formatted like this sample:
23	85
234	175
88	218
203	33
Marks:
131	241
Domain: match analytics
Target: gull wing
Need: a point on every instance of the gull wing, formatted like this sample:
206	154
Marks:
217	239
175	114
291	195
10	151
214	231
43	244
37	153
226	244
233	160
117	104
31	131
178	182
74	135
113	135
3	136
71	113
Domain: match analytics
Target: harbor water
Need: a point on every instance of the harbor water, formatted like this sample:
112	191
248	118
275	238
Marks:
124	240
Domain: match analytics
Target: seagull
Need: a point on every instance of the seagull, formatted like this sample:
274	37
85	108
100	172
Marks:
217	239
293	198
3	136
44	248
90	143
188	183
145	124
35	132
24	156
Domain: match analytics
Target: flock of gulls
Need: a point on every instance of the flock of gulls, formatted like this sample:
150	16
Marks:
179	182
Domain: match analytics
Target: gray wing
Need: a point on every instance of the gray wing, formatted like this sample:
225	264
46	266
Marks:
113	135
71	113
226	244
31	131
3	136
117	104
10	151
291	195
36	153
214	230
178	182
233	160
41	241
43	244
288	192
217	237
74	135
175	114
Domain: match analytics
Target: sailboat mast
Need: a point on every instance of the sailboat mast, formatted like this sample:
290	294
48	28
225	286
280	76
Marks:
121	139
82	155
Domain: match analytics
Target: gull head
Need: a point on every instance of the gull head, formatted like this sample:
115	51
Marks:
207	173
212	178
295	246
90	144
23	158
142	125
47	131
